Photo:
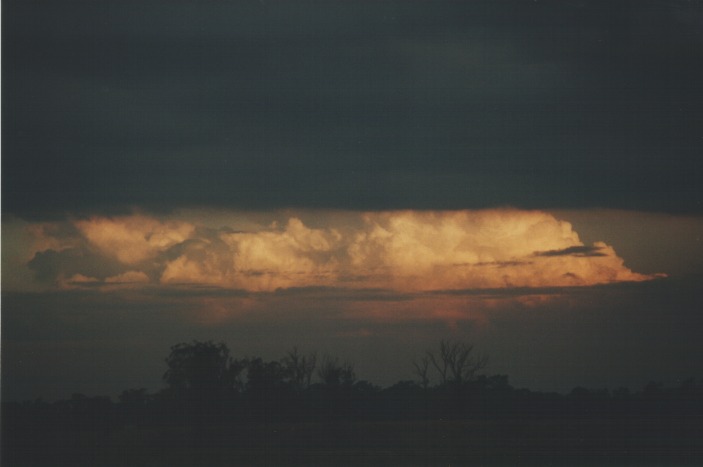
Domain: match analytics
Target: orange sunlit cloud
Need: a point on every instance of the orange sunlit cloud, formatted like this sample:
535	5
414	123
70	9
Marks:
406	251
135	238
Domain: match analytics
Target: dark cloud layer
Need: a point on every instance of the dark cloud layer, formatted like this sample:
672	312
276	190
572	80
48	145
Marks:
363	105
580	251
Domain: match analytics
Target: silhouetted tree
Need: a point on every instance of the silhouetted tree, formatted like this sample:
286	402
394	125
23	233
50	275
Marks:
334	373
203	382
455	363
422	368
201	367
267	389
263	376
299	368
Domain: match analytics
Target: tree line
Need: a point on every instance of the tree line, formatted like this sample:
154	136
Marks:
205	385
310	409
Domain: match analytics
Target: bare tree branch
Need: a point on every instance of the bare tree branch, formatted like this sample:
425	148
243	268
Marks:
455	363
299	368
334	373
422	367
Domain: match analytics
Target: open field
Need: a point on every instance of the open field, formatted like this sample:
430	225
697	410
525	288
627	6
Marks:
505	442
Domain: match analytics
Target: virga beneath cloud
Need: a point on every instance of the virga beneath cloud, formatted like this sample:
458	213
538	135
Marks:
406	251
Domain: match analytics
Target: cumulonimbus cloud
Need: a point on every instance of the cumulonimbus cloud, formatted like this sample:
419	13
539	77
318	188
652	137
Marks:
406	251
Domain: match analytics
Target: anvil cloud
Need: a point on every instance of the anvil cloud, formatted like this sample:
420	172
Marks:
406	251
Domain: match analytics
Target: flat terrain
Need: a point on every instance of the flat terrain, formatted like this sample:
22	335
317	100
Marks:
407	443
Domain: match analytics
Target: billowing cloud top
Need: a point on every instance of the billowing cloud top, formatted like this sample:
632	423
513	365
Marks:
399	250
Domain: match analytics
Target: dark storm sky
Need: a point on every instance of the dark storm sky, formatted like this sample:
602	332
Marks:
361	105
